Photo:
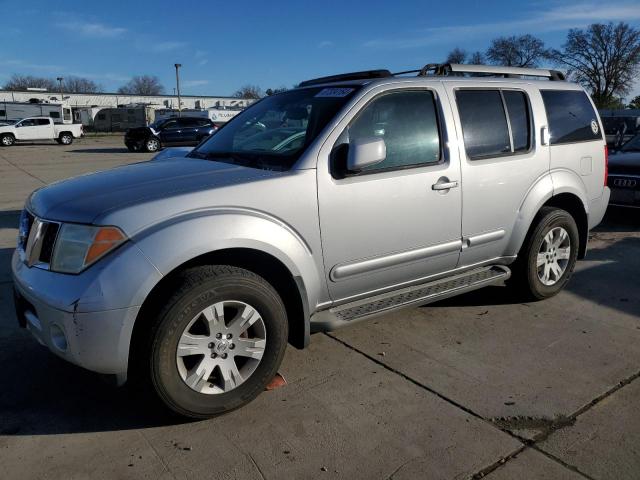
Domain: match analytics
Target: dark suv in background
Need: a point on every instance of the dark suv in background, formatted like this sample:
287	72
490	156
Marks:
168	132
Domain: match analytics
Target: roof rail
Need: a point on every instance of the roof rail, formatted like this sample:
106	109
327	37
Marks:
346	77
508	72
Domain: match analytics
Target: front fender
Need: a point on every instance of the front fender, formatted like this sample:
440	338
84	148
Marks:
178	240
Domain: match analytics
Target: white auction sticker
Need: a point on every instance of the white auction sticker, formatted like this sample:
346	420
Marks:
334	92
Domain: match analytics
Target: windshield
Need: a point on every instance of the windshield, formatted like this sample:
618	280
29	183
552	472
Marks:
157	124
632	145
273	133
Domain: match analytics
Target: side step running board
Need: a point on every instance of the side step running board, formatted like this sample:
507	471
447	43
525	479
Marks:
336	317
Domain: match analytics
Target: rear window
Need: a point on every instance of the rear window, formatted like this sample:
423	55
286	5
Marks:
571	116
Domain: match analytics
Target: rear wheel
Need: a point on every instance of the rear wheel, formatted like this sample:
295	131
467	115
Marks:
65	139
547	258
152	144
6	140
219	341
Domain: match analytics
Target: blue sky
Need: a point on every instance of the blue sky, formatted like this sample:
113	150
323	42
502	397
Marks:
223	45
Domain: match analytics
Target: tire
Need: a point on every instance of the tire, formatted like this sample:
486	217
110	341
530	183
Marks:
544	265
131	148
152	144
193	383
7	140
65	138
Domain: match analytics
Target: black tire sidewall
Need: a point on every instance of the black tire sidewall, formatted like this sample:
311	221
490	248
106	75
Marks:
13	141
554	218
165	376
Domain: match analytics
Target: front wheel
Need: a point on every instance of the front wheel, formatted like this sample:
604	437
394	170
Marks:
152	144
547	258
219	341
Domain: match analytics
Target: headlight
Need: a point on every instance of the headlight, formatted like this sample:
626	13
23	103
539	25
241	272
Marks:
78	246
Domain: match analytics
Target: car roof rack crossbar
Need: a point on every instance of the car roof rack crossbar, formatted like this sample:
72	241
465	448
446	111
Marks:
447	69
366	74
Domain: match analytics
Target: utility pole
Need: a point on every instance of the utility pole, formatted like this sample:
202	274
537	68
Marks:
60	79
178	65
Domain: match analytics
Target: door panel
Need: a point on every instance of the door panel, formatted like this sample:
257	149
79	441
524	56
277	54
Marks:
388	227
496	185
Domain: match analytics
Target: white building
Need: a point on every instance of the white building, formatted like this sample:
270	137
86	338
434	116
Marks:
116	99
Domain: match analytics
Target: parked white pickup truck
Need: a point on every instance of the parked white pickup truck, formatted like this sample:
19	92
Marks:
39	128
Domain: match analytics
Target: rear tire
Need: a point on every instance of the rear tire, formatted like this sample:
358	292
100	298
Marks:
65	139
198	368
6	140
548	256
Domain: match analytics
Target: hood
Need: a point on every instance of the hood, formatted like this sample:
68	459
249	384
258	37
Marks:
88	198
624	163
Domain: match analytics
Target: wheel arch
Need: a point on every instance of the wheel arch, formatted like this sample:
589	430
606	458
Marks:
290	287
560	191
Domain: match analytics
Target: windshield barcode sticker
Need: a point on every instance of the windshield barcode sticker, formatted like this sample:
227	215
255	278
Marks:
334	92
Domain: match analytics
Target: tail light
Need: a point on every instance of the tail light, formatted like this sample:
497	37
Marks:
606	165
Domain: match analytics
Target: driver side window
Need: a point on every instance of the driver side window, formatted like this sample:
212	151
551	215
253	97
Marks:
406	121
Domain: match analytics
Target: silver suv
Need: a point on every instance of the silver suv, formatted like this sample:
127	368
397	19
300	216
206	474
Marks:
342	199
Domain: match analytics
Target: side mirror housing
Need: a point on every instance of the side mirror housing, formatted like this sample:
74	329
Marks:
364	152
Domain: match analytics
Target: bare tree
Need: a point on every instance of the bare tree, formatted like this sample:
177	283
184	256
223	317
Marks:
80	85
22	82
635	102
477	58
522	51
143	85
603	58
457	55
249	91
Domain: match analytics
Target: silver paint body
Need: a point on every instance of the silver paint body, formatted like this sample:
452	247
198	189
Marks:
341	239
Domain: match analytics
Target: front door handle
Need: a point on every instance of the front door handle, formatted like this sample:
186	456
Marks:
443	183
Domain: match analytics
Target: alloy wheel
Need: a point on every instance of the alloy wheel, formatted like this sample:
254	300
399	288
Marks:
553	256
221	347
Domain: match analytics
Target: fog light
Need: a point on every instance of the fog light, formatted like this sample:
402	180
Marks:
58	338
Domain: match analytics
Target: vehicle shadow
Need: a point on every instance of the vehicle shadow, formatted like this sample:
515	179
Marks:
10	218
45	395
103	150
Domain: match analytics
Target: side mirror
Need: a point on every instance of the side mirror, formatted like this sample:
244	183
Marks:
364	152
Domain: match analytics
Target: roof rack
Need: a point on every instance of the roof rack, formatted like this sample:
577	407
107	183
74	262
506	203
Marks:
347	76
446	69
443	69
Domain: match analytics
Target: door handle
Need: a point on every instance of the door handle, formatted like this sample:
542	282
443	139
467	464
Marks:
444	184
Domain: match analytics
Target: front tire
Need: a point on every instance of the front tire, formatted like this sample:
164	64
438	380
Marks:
7	140
152	144
548	257
218	342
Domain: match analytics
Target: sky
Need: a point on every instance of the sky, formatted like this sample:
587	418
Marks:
224	45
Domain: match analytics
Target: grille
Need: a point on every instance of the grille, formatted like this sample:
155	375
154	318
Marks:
37	239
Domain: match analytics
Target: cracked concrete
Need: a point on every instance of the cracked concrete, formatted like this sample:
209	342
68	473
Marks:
473	387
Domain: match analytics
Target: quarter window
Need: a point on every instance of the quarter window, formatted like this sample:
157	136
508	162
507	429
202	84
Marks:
407	122
571	116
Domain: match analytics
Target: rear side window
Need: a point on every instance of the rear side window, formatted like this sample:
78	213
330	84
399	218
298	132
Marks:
56	114
519	119
42	121
407	122
571	117
484	123
495	123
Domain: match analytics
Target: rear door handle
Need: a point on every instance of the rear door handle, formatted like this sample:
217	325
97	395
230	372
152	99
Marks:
444	184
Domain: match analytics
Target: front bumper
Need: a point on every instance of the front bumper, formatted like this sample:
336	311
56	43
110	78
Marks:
625	190
87	319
